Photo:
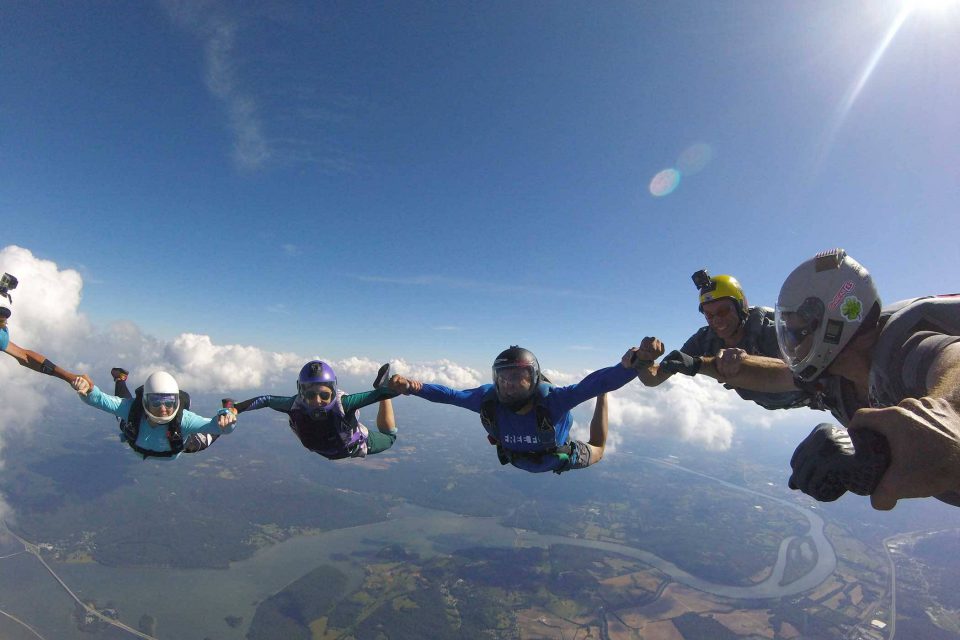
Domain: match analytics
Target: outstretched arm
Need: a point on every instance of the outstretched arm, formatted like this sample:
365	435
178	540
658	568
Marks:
224	422
471	399
649	374
91	395
277	403
39	363
355	401
563	399
739	369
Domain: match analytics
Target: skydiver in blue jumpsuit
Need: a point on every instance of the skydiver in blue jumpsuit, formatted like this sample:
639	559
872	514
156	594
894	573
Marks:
527	418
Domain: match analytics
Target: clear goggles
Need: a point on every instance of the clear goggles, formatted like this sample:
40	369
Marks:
515	374
797	328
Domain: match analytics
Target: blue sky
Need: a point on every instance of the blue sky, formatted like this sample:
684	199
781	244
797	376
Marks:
441	180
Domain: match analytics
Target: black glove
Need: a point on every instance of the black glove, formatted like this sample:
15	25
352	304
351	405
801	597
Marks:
831	461
679	362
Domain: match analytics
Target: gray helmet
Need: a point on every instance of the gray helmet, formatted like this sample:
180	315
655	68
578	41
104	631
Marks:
822	304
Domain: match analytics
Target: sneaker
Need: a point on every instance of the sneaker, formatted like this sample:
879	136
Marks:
383	377
119	374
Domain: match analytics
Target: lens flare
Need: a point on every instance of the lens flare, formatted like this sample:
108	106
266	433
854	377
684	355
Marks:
694	158
664	183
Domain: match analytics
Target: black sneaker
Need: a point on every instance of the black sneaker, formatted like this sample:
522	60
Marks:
119	374
383	377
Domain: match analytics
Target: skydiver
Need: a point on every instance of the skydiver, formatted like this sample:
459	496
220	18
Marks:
29	359
891	370
324	418
194	443
731	323
156	422
527	418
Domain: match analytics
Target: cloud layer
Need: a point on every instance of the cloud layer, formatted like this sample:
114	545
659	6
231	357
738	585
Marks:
47	318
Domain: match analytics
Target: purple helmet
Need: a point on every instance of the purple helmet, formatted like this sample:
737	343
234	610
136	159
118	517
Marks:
317	372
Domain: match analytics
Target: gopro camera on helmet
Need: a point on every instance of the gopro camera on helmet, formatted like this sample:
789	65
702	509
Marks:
7	284
701	279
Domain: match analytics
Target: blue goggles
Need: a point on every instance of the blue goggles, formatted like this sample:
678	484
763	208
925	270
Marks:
165	400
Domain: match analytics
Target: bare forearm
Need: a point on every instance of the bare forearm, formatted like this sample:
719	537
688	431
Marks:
598	426
652	376
39	363
756	373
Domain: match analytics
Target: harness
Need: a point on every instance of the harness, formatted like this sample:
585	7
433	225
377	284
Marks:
336	435
546	431
130	428
759	338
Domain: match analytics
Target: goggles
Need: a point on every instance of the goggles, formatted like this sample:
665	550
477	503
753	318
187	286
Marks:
515	375
793	336
796	330
323	392
164	400
720	313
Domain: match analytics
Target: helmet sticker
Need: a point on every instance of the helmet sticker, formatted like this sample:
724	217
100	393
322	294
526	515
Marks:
839	297
852	309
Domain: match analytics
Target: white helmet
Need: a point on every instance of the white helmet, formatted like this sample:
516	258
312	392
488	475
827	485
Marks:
822	304
160	388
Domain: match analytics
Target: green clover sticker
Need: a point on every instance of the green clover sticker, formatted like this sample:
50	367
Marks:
851	309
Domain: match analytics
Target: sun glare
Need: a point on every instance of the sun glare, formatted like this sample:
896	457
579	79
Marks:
936	7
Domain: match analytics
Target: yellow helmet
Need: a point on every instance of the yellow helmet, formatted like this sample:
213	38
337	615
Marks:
721	287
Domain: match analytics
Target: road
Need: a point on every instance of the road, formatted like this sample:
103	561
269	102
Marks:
34	550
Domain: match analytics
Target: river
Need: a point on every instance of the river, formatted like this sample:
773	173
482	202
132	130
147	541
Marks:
193	603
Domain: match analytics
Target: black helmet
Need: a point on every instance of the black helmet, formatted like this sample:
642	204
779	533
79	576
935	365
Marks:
516	358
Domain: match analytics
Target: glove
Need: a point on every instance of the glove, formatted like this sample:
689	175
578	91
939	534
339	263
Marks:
679	362
831	461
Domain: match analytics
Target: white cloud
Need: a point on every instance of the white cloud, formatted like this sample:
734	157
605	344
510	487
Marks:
696	410
445	372
46	318
283	118
218	31
356	366
45	304
562	379
44	313
199	364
